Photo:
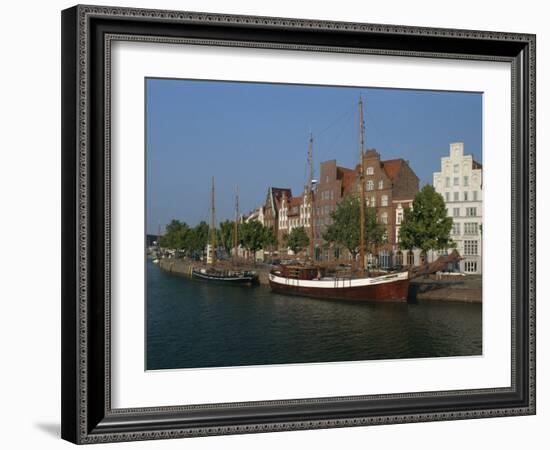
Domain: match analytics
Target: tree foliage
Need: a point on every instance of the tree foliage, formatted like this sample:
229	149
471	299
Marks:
426	225
269	239
179	236
199	238
252	236
345	228
226	234
175	236
297	239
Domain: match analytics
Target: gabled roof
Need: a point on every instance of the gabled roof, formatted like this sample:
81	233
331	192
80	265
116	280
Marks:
392	168
275	196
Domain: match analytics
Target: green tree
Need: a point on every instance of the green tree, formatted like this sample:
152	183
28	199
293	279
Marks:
345	228
198	238
176	235
375	233
297	239
426	225
269	239
252	236
226	235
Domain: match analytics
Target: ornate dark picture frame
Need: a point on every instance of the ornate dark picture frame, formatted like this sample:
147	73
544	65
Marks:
87	33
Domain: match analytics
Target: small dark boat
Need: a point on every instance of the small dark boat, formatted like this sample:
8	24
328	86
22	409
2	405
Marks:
226	276
215	274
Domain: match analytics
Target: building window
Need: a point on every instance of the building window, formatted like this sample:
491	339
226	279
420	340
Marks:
370	185
385	259
326	179
455	181
475	196
399	217
332	194
384	200
455	196
399	257
456	229
470	266
381	184
384	218
470	228
410	258
447	182
370	170
465	181
465	196
470	248
373	201
456	212
456	168
447	196
471	212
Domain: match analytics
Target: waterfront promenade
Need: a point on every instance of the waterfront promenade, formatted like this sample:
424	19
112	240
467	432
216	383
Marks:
450	288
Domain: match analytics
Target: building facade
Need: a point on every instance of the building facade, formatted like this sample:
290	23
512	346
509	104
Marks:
272	207
460	182
390	188
333	185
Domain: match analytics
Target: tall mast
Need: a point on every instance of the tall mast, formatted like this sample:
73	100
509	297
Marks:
158	237
211	255
362	184
236	229
310	197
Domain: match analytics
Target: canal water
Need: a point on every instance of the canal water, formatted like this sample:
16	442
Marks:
192	324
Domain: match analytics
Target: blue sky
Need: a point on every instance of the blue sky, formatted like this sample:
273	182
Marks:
255	135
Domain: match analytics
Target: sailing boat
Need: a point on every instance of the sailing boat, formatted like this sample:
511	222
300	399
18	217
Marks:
309	280
217	274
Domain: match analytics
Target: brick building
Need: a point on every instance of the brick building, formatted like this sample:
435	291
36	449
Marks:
289	215
272	207
390	187
334	184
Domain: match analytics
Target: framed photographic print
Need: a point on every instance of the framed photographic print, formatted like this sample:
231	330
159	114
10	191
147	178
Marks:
277	224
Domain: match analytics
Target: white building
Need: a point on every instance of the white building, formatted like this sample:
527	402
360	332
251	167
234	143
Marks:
294	212
460	183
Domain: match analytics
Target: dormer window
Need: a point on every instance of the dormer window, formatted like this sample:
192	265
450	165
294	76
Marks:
370	170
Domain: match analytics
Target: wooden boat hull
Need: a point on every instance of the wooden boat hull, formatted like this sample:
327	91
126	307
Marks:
388	291
237	280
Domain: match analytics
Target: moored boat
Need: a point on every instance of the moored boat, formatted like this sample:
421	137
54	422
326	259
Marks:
226	276
310	282
213	272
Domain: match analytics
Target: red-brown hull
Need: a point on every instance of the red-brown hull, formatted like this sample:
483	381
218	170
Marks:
396	291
